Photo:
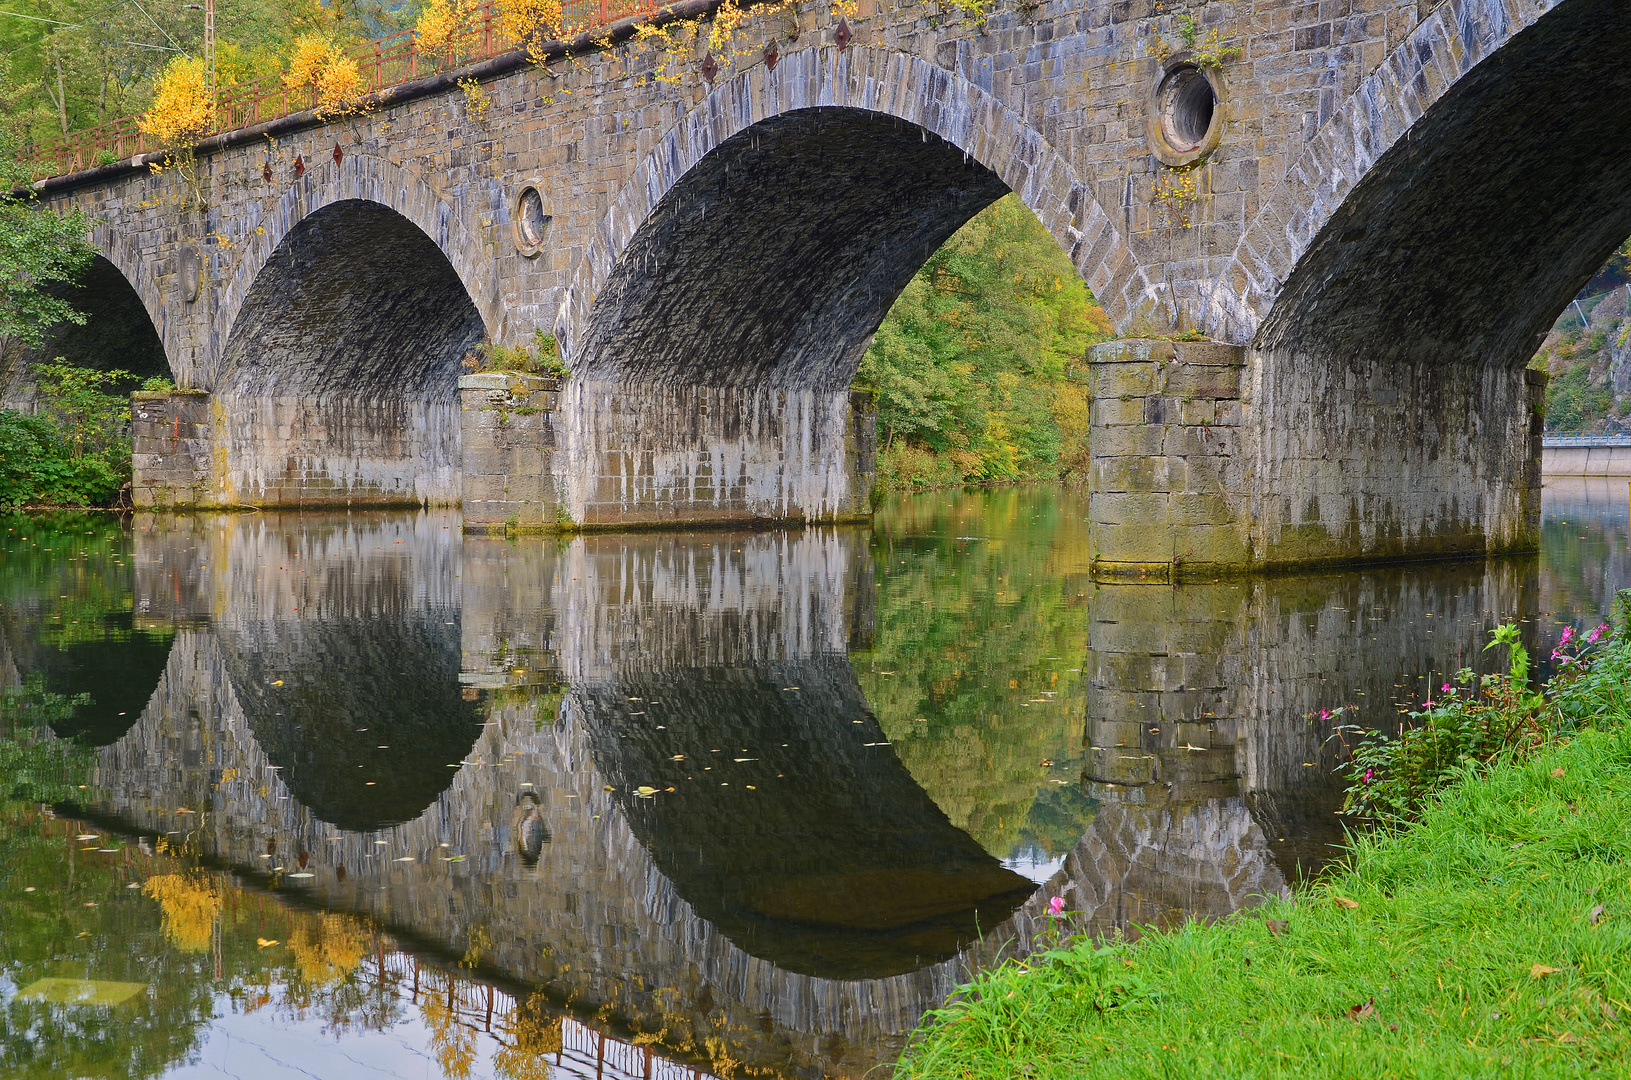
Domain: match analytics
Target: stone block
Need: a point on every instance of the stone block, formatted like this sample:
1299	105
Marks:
1148	510
1129	474
1112	380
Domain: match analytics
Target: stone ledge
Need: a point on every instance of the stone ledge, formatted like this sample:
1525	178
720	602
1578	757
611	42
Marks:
508	381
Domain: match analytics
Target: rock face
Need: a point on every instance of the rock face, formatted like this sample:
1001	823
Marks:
711	254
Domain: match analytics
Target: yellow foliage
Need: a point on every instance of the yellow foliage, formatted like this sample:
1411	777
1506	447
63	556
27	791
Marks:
327	948
533	23
182	111
321	67
533	1033
444	28
476	100
453	1044
306	65
190	906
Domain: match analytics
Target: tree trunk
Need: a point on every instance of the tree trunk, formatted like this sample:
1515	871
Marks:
62	98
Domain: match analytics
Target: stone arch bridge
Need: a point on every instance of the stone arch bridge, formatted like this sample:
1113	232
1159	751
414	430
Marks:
1330	256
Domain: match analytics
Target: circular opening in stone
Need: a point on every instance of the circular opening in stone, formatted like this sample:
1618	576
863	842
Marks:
531	219
1188	104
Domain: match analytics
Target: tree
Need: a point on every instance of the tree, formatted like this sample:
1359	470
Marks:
39	248
971	364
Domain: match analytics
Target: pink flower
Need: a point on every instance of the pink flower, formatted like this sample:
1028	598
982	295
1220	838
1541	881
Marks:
1568	634
1592	637
1368	773
1325	714
1056	906
1445	688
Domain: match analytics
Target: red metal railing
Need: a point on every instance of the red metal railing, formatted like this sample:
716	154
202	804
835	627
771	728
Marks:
387	62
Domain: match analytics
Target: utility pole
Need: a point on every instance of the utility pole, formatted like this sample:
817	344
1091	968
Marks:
208	8
209	50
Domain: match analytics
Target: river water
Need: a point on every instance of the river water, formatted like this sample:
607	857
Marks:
356	796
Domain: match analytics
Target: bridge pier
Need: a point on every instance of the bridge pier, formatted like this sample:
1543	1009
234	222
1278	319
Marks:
1211	459
1167	486
541	457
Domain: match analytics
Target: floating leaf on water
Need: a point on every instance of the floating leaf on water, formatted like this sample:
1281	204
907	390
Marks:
277	682
677	757
81	991
645	792
405	858
89	836
1344	902
265	943
742	759
303	874
28	888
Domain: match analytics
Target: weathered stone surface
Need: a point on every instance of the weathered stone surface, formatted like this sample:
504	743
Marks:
1404	194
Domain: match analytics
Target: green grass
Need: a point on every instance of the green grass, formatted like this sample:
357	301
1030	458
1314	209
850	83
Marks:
1502	874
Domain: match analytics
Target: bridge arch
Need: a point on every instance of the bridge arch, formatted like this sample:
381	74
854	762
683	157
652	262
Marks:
339	372
1464	141
816	101
357	178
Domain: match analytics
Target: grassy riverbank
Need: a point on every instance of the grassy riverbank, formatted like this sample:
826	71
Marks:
1493	935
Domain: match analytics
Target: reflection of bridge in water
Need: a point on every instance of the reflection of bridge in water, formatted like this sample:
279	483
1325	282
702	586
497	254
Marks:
452	736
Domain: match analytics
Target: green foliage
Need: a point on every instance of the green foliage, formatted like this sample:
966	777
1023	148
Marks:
38	248
1478	720
1572	403
76	452
540	356
1205	50
98	59
1487	939
34	766
971	364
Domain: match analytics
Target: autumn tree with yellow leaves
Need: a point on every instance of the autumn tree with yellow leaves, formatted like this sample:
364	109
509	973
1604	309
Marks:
320	67
182	112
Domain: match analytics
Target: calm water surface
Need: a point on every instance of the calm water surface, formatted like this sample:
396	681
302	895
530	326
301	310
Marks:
355	796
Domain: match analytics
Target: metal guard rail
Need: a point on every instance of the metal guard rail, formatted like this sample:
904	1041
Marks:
1560	442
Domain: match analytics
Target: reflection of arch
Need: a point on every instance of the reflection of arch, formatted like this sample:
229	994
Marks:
842	113
363	715
834	863
116	668
1507	125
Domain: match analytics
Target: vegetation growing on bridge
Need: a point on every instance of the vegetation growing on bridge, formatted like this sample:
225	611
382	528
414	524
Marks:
974	364
1493	933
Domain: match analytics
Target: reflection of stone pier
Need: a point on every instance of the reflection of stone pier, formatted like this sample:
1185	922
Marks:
643	770
809	925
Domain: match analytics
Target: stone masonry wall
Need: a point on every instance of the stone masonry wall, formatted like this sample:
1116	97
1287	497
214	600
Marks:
173	450
507	426
1171	459
1051	100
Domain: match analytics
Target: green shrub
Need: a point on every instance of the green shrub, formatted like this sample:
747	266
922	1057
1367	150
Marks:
1474	721
542	356
76	451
